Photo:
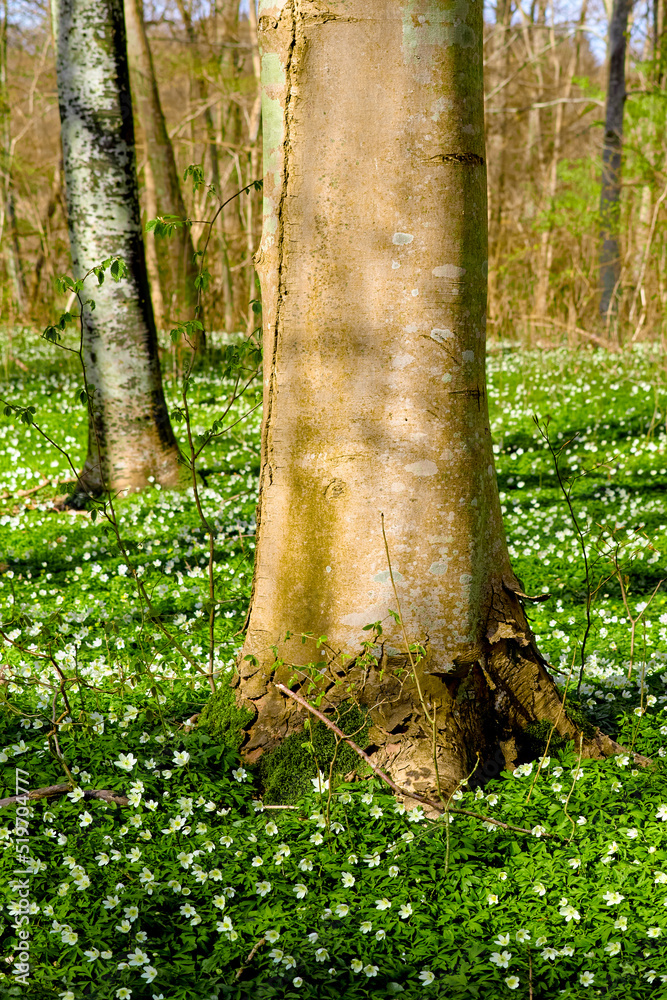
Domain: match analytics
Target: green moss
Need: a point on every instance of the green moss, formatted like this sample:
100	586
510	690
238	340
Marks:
223	720
537	733
578	715
286	772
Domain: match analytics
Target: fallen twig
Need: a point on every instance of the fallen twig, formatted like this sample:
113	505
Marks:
253	952
25	493
594	339
53	791
392	784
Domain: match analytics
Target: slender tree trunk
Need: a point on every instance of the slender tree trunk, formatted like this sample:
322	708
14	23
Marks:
498	190
659	47
228	130
546	240
610	194
373	270
155	277
130	436
176	266
55	199
8	229
201	89
253	164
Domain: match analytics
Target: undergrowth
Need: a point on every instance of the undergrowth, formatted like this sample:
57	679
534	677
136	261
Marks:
190	884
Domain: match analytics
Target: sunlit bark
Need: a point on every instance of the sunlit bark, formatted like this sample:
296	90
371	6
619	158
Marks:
373	267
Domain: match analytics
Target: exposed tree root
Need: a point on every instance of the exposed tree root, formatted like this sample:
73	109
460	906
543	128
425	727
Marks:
430	736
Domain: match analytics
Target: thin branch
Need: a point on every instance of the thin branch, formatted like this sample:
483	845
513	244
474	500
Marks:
392	784
53	791
255	948
544	104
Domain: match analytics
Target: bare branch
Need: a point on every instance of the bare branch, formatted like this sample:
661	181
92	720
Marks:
54	791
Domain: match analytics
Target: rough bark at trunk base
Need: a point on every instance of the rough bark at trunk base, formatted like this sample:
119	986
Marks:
483	712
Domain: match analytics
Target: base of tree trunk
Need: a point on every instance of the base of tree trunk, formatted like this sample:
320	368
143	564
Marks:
163	469
488	715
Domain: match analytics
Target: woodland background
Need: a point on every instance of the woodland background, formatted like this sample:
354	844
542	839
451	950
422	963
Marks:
545	107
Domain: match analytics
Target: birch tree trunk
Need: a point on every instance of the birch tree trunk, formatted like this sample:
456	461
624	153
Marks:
176	265
610	194
373	267
130	436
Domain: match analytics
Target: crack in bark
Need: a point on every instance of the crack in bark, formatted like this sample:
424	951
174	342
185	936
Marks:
467	159
325	17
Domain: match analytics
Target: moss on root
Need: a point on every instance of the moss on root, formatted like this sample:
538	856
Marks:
577	714
285	773
223	720
536	734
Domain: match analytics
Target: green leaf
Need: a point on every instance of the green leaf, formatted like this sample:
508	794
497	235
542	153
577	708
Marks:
118	269
196	171
203	280
164	225
64	283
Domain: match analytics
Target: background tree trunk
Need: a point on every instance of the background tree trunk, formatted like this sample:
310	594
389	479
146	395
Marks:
130	436
8	230
610	194
176	266
373	268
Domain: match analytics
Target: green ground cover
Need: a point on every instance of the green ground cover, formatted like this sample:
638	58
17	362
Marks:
349	895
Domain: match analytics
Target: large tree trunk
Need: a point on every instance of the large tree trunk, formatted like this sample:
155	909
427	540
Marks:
176	266
373	267
610	194
130	436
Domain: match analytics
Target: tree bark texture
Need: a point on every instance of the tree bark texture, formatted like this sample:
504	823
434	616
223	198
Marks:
373	266
130	436
175	256
612	150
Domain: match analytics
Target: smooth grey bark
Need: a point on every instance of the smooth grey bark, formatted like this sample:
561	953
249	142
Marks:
612	151
130	437
373	267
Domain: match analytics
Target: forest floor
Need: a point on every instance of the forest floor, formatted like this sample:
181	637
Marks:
191	887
